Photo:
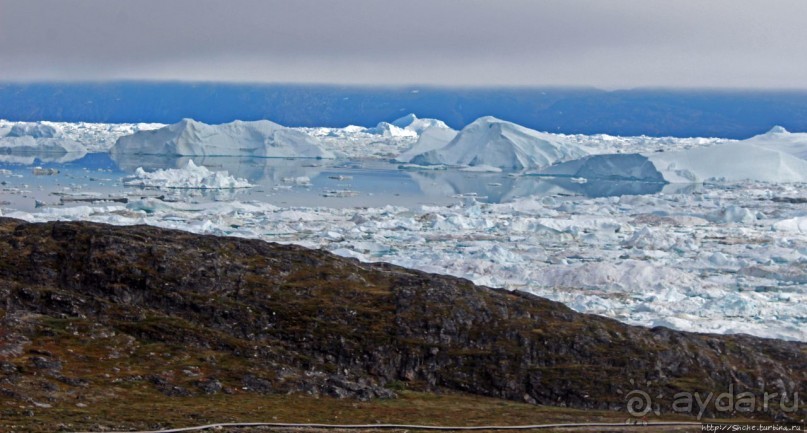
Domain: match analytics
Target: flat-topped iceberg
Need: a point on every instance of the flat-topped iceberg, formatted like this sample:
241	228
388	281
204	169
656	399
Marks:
188	137
761	158
730	161
775	156
497	143
191	176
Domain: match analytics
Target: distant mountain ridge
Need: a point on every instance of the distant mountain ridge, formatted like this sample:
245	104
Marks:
681	113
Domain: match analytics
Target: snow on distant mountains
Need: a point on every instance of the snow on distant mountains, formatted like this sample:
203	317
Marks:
497	143
191	138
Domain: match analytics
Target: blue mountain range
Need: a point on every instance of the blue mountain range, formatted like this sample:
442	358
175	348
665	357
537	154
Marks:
654	112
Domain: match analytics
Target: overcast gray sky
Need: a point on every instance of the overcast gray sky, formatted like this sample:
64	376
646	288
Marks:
602	43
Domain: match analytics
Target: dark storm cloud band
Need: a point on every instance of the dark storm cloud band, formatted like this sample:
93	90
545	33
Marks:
463	42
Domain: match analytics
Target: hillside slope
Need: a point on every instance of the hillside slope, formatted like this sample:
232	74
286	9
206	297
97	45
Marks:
93	311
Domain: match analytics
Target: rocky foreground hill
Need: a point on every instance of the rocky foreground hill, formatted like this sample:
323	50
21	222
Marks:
92	311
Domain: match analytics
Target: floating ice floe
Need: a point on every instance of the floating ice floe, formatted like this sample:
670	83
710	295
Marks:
299	180
189	177
261	138
795	225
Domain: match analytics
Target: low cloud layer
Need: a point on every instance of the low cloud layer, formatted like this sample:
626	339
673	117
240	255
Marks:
613	44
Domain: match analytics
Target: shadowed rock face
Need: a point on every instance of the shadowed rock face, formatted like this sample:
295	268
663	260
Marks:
282	318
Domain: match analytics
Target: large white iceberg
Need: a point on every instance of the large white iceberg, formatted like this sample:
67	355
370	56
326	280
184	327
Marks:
776	156
498	143
191	138
730	161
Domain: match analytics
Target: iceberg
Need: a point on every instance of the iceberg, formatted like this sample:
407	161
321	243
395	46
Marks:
93	137
191	138
795	225
753	159
34	130
498	143
431	139
413	123
779	138
31	145
37	138
628	167
406	126
386	129
730	161
191	176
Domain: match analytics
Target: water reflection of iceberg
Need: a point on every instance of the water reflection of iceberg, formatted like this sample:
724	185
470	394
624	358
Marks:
607	188
499	187
32	158
259	171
